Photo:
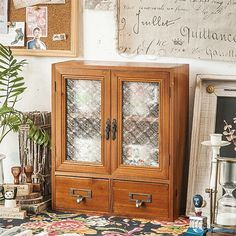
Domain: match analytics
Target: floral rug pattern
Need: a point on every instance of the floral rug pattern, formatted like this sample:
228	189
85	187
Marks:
85	225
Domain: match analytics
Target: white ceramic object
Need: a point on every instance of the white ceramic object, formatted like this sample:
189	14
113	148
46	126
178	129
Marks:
216	139
10	203
215	143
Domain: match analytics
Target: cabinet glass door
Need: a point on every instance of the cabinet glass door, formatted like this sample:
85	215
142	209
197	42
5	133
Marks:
141	144
140	119
83	113
83	121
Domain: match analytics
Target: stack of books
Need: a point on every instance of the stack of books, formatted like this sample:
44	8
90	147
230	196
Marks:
29	200
12	213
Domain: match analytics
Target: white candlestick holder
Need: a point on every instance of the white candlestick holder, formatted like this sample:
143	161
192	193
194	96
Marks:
215	143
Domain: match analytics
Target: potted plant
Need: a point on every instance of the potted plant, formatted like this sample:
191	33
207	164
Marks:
12	86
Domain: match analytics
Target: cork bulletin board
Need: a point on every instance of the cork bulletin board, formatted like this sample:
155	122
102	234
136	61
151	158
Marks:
62	18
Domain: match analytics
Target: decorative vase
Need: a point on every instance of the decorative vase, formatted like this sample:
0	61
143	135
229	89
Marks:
28	170
16	171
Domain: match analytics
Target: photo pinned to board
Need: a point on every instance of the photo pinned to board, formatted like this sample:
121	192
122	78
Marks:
36	42
55	1
15	36
3	16
37	17
27	3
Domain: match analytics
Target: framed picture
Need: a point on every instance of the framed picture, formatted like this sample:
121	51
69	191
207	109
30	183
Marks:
59	34
15	35
215	101
3	16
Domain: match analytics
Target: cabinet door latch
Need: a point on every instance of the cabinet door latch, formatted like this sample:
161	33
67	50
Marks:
114	129
108	129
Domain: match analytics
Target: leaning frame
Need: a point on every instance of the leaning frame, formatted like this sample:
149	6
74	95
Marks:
204	117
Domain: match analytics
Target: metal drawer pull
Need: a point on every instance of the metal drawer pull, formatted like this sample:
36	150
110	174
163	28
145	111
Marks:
80	199
80	194
140	198
139	203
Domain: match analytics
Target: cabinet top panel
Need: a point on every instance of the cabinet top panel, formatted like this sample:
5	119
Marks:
118	65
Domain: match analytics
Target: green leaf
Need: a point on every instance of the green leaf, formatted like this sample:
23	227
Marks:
17	79
2	54
14	74
5	109
13	62
3	67
16	85
32	131
17	93
4	84
5	50
11	57
2	61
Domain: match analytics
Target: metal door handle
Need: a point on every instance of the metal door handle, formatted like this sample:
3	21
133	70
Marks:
114	129
108	129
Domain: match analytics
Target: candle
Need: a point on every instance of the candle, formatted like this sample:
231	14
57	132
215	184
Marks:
216	139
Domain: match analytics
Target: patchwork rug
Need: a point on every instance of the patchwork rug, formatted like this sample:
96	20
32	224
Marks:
84	225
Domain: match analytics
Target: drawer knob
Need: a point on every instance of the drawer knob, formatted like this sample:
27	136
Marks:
80	194
139	203
80	199
140	199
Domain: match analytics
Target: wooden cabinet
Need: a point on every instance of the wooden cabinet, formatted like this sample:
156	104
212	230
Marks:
119	138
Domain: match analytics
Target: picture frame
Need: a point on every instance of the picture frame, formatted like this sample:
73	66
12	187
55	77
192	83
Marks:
208	89
74	39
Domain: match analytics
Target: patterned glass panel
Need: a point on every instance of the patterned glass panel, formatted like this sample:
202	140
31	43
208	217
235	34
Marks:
84	120
140	145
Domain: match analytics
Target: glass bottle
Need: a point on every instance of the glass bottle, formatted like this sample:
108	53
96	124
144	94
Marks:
226	205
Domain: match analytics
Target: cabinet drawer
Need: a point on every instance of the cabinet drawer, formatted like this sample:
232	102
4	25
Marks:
78	194
141	199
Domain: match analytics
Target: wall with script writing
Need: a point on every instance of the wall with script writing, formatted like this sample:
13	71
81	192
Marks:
180	28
